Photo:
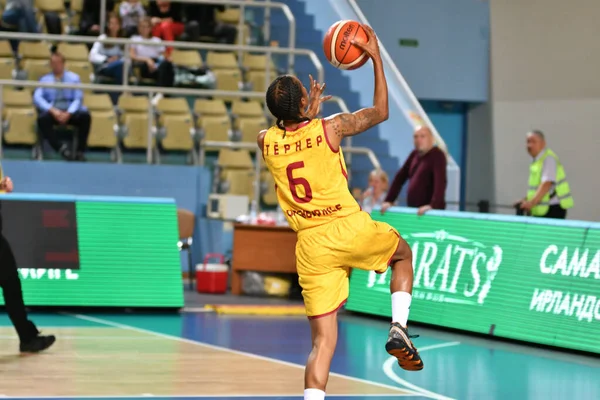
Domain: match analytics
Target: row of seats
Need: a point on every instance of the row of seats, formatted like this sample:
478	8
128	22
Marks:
229	71
235	174
175	124
70	16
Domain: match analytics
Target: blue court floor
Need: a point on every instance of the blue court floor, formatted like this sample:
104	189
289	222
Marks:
210	356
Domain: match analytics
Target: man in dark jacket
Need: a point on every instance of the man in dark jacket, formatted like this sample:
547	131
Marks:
425	169
30	338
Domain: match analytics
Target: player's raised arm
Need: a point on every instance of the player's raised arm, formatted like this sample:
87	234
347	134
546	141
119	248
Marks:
349	124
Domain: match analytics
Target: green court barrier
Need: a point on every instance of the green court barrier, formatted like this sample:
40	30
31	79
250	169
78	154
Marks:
529	279
94	251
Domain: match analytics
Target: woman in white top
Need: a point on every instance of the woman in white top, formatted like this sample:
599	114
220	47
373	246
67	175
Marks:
131	11
106	58
151	59
375	194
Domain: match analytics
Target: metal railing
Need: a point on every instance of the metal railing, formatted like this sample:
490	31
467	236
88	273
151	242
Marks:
242	4
150	91
269	51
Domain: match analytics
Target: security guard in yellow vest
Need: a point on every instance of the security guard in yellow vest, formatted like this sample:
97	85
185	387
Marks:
30	339
549	194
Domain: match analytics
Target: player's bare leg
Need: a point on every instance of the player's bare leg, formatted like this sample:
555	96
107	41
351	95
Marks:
399	344
324	339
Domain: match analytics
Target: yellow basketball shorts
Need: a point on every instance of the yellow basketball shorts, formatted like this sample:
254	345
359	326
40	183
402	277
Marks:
325	254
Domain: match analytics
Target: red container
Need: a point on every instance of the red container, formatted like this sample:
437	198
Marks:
212	278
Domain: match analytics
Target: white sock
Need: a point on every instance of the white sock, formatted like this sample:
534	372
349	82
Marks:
400	307
314	394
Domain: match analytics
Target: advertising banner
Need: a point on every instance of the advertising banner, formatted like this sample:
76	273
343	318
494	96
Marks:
95	253
521	280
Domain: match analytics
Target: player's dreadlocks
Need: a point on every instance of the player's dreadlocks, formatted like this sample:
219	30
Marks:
283	100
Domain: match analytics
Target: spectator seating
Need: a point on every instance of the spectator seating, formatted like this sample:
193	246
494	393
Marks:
19	118
135	121
235	172
35	60
175	125
104	128
7	62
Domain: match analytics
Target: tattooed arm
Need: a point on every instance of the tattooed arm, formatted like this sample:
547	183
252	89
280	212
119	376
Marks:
348	124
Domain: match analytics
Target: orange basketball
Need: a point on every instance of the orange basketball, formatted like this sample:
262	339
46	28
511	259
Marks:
337	47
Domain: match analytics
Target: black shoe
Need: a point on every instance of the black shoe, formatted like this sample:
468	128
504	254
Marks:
37	344
400	346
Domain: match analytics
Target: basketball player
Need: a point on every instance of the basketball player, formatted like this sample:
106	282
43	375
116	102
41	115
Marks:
30	338
307	164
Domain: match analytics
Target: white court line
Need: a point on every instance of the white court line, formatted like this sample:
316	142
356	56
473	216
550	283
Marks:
390	363
241	353
240	396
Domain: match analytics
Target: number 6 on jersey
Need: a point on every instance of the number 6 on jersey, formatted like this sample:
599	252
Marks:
294	182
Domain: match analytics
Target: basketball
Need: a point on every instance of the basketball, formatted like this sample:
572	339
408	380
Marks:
338	49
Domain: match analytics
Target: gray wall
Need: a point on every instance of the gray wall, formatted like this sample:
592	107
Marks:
545	60
451	61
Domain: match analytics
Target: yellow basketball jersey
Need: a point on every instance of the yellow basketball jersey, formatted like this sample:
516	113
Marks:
311	178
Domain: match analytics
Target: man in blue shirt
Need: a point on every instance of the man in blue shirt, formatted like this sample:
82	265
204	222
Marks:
62	107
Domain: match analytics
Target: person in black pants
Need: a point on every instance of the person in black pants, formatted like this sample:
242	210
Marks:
31	339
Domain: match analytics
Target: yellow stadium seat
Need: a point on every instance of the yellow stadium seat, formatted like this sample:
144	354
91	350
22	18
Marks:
258	81
215	129
34	50
205	107
137	120
74	51
19	117
229	158
257	62
231	15
57	6
7	66
104	121
249	129
35	69
216	60
176	123
228	80
82	68
247	109
236	172
5	49
186	58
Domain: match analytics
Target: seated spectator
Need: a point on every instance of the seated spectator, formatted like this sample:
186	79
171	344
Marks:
201	22
62	107
89	24
153	61
374	196
18	16
166	21
131	11
108	58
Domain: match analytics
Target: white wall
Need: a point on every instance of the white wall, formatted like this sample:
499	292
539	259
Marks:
545	74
